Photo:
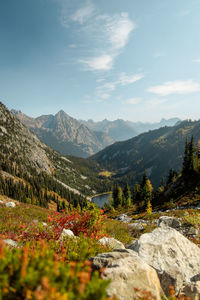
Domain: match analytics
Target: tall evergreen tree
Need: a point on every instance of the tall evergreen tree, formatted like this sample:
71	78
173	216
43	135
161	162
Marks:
126	196
186	158
117	196
191	155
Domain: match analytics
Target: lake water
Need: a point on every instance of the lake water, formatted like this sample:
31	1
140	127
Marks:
100	200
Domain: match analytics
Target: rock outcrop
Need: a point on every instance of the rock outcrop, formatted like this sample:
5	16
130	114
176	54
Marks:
131	278
173	256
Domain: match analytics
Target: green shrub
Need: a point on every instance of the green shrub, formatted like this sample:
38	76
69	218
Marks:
39	273
118	231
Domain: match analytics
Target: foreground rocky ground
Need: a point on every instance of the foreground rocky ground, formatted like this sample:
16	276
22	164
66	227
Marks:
144	256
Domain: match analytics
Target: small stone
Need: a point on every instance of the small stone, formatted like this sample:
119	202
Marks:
124	218
193	231
111	243
10	204
11	243
35	221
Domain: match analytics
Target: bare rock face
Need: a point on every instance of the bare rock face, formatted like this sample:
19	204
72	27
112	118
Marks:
111	243
173	256
23	143
131	278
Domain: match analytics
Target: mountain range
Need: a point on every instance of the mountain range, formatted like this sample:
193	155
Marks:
83	138
24	154
65	134
121	130
156	151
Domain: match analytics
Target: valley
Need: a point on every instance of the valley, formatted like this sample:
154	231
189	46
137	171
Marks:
80	215
99	150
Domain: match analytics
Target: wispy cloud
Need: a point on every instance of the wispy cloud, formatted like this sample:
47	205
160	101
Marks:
125	79
104	96
196	60
184	13
83	14
103	62
175	87
118	29
132	101
111	34
72	46
158	54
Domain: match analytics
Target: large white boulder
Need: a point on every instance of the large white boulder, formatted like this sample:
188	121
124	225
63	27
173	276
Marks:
130	277
173	256
10	204
111	243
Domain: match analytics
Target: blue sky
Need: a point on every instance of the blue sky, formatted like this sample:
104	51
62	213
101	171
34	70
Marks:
133	59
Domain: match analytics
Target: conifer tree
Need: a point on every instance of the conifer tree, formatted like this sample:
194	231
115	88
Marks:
172	175
191	155
136	193
186	158
126	196
117	196
144	179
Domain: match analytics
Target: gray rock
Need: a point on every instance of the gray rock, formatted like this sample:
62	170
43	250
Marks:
10	204
173	256
191	290
130	276
192	231
124	218
111	243
169	221
11	243
136	226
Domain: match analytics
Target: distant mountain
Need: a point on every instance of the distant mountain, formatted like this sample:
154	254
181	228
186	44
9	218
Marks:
156	151
141	127
121	130
65	134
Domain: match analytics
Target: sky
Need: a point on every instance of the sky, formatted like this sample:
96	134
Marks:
136	60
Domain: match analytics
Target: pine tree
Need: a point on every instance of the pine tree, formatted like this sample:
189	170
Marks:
191	155
126	196
136	193
186	158
144	179
172	175
117	196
